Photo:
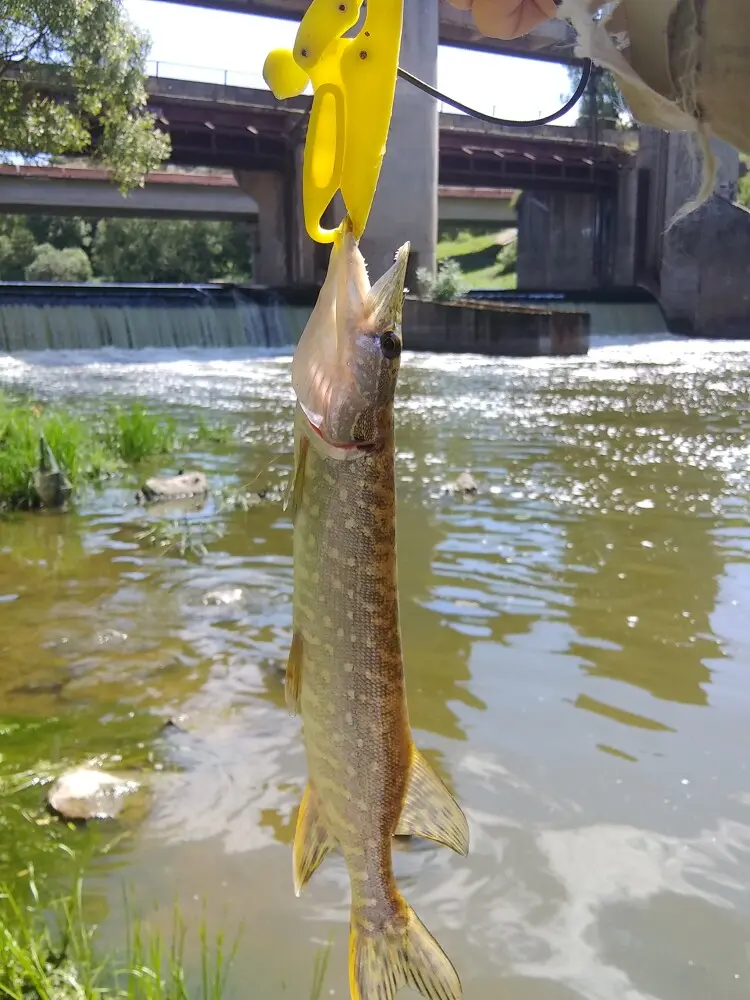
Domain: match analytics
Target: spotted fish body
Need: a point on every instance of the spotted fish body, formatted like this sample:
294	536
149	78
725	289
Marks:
367	781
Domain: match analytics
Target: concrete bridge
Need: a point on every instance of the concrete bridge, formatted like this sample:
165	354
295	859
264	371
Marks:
246	128
592	214
261	139
176	194
553	40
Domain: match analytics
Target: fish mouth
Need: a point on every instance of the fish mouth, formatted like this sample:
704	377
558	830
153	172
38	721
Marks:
387	294
314	422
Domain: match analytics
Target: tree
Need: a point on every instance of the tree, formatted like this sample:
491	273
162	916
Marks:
603	99
124	249
60	230
171	251
16	248
51	264
87	52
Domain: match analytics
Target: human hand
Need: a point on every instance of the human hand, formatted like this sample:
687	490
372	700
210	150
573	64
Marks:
507	18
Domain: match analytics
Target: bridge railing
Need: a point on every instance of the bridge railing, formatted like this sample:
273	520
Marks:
161	69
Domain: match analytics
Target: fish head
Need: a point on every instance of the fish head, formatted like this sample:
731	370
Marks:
346	365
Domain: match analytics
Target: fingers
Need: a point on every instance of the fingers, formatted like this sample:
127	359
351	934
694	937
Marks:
507	18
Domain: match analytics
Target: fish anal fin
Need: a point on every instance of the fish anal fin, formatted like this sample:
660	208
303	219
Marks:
312	842
293	682
405	955
430	811
293	495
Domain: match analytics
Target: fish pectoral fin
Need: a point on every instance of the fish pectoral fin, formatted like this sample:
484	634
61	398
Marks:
293	682
312	842
407	955
430	810
293	494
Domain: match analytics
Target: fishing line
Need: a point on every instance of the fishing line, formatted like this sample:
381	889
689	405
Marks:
493	119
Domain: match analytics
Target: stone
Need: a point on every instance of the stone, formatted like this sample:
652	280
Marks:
85	793
186	484
465	484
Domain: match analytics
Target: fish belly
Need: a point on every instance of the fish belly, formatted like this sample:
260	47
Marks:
352	697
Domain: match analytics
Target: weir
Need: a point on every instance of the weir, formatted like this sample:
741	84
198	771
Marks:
38	317
67	316
611	311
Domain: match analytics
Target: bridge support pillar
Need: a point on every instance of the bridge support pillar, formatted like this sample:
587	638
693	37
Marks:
271	262
556	245
405	206
700	268
285	255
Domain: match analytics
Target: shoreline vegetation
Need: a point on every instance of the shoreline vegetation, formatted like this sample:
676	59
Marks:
48	951
88	448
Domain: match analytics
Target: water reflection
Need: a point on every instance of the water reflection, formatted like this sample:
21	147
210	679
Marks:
575	641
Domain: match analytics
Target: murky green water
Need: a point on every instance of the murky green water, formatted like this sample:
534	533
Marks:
578	665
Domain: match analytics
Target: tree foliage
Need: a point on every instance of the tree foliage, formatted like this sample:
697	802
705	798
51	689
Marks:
17	246
89	54
49	248
52	264
172	250
602	100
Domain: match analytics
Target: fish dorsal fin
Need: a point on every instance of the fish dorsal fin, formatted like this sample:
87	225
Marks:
312	842
430	811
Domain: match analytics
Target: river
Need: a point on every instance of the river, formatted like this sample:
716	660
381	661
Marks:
577	651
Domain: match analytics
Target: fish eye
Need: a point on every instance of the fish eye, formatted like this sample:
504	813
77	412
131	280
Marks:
390	345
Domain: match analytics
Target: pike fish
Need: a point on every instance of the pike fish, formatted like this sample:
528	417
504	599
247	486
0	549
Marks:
367	781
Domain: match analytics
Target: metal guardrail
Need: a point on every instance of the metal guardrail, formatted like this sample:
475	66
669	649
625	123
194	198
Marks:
162	69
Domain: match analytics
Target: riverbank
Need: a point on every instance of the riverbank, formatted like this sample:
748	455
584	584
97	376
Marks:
87	450
49	951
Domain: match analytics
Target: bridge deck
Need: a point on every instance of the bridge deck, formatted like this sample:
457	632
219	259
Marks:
554	40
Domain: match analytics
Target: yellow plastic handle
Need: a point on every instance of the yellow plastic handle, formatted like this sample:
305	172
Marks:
354	83
324	157
368	72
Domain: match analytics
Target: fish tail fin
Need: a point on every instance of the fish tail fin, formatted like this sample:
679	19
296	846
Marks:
404	955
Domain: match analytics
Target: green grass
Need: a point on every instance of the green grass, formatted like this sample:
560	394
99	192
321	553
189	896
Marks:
483	261
48	951
87	448
489	277
464	244
132	433
77	450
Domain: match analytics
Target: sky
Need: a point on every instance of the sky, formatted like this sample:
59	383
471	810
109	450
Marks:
196	44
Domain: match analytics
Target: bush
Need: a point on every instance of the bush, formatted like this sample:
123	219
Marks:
507	258
51	264
445	286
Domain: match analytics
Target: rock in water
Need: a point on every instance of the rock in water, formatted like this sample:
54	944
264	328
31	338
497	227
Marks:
465	485
187	484
50	481
86	793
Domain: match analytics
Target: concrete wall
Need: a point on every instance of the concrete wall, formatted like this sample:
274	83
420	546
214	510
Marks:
705	273
485	209
91	192
495	329
699	267
556	241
